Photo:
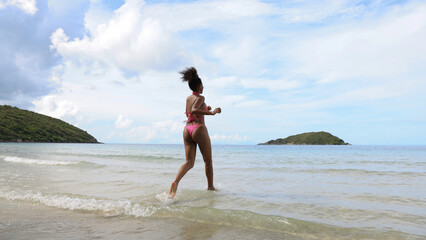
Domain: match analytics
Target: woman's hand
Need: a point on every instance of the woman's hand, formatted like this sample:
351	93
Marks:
209	108
217	110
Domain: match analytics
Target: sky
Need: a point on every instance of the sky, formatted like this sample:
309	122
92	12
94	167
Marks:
356	69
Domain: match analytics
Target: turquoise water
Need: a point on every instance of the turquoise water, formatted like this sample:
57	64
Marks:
268	192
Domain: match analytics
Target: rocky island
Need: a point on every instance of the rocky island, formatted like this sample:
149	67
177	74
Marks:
17	125
310	138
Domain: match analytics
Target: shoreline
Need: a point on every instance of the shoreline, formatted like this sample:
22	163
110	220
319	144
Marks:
29	220
26	220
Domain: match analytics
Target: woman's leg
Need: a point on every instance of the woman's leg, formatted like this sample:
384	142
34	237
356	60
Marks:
190	151
201	136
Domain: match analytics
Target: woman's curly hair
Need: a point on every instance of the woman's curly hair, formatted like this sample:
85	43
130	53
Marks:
190	75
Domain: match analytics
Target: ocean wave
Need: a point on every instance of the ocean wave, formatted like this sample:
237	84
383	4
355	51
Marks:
130	208
109	207
206	215
124	156
38	161
404	162
406	201
362	172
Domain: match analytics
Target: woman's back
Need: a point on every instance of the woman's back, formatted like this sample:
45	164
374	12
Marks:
195	102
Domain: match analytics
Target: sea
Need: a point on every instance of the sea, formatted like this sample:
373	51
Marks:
119	191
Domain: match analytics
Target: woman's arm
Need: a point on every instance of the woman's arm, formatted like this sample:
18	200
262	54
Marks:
196	108
204	112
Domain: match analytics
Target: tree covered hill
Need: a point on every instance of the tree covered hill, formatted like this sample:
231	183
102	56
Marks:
310	138
17	125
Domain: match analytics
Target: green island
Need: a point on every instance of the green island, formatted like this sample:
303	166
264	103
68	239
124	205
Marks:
17	125
309	138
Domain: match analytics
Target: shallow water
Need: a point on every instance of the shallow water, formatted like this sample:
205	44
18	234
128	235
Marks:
50	191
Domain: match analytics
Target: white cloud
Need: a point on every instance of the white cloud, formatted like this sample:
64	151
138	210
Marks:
128	40
52	106
347	98
28	6
251	103
141	37
253	83
388	48
104	92
96	15
221	82
169	126
142	134
126	63
272	85
164	130
370	93
240	52
229	138
122	122
228	100
206	14
316	11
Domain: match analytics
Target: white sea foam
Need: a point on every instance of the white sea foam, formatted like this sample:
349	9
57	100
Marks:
165	198
109	207
37	161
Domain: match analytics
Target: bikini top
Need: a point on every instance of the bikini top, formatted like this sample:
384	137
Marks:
191	117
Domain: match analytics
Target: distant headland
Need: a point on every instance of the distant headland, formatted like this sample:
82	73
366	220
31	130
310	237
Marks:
17	125
310	138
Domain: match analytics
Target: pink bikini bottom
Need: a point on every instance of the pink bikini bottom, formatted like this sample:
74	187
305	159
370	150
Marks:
191	118
191	128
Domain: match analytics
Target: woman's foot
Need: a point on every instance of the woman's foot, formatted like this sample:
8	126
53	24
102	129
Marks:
173	189
211	188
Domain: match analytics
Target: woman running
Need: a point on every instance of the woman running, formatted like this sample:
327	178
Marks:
195	132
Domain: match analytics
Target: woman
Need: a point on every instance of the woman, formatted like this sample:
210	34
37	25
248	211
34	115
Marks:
195	131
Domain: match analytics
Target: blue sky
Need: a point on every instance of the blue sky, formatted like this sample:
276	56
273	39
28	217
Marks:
276	68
